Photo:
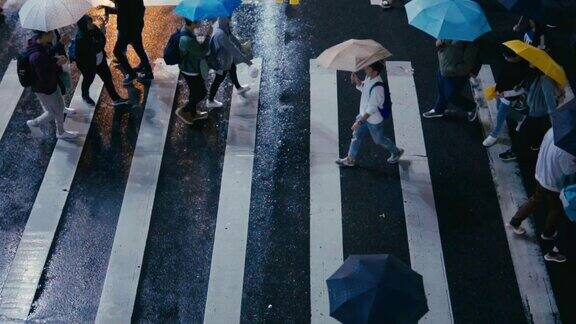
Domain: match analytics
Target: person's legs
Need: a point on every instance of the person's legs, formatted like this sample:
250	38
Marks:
197	91
87	79
454	94
357	137
216	84
120	53
104	73
53	105
441	101
234	77
138	46
529	207
377	132
47	116
503	109
555	210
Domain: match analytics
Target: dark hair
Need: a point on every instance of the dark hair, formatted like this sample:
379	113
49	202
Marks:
377	66
83	23
39	33
189	22
508	53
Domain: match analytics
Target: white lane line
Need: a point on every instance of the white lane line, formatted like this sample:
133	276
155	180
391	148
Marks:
224	298
426	256
10	93
326	254
121	283
26	268
533	282
161	2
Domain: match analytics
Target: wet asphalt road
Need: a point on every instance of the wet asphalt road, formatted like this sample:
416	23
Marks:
176	265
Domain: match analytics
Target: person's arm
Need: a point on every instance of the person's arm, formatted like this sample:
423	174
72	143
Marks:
549	91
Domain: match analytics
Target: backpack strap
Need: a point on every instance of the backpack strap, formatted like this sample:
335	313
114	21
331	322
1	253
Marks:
387	98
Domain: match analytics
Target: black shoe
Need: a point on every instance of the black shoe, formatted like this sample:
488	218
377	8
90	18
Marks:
89	101
507	156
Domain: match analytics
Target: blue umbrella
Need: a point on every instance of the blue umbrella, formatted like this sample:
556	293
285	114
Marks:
197	10
448	19
231	5
376	289
545	11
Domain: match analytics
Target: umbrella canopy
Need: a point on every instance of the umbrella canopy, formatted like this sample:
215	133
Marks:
376	288
197	10
546	11
564	127
540	59
353	55
448	19
231	5
46	15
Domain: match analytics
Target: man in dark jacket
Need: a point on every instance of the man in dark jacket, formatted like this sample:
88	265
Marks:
46	70
457	60
130	22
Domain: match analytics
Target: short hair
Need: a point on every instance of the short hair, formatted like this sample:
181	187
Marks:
39	33
508	53
377	66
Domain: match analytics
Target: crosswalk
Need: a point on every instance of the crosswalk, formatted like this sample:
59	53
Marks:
224	288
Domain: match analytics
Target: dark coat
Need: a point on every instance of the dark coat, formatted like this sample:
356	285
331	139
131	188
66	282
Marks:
130	14
46	71
88	44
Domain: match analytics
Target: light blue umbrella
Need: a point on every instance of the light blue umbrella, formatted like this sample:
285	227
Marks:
448	19
197	10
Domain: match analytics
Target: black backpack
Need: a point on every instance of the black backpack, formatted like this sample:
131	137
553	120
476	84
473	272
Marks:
172	49
24	70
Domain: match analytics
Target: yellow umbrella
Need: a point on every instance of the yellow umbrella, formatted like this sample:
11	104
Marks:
353	55
540	59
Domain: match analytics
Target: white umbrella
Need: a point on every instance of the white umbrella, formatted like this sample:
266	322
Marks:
46	15
353	55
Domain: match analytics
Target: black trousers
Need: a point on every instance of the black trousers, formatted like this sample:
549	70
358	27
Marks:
122	46
534	129
103	71
220	78
197	90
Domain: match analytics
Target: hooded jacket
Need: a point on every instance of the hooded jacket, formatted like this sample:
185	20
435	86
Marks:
46	71
226	47
89	42
457	58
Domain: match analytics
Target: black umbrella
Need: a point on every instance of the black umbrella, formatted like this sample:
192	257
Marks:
564	127
554	12
376	288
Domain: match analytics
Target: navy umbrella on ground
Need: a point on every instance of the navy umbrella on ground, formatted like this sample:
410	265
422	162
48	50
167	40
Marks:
376	288
564	127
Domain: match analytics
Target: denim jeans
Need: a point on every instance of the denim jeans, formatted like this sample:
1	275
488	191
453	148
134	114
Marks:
377	133
450	90
503	112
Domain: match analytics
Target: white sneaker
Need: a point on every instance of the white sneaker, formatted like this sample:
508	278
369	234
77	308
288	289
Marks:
545	237
67	135
346	162
69	111
34	129
243	90
489	141
214	104
517	230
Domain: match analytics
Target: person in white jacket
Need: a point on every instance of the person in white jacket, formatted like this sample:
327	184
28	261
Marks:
370	120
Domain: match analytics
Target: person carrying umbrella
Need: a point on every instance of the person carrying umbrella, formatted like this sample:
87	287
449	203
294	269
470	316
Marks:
457	60
226	52
91	60
46	70
375	93
553	165
192	54
130	23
